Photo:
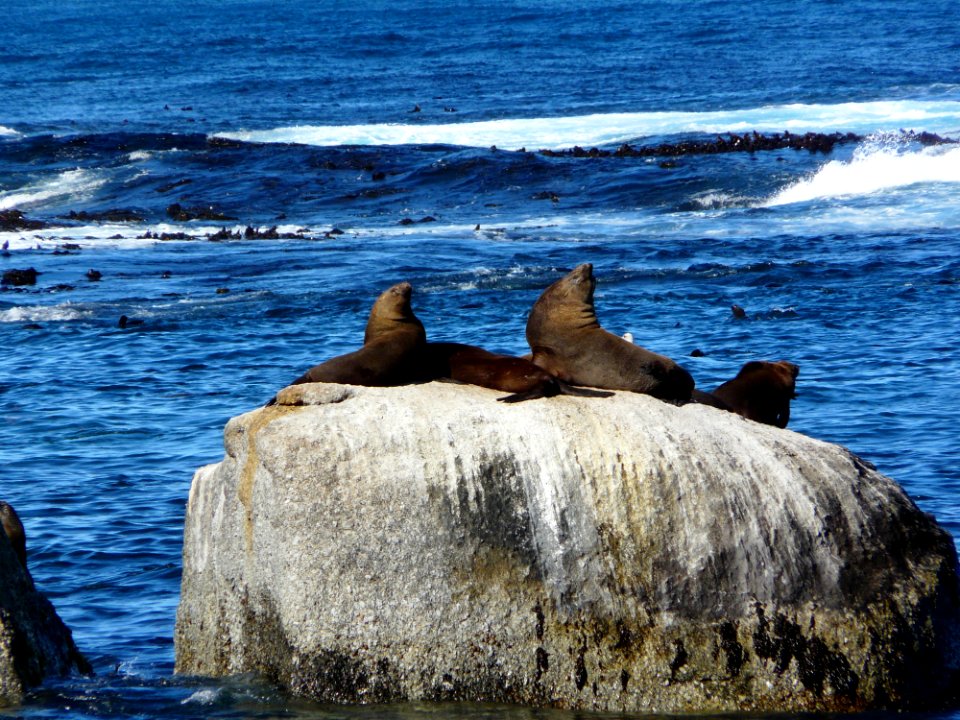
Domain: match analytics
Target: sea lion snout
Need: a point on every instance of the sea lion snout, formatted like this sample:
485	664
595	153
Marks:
403	289
794	370
582	276
583	271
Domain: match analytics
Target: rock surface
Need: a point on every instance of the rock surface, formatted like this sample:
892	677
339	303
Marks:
34	642
428	542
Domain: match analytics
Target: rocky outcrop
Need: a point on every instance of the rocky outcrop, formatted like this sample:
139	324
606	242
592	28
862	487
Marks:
17	277
747	142
428	542
182	214
13	220
34	642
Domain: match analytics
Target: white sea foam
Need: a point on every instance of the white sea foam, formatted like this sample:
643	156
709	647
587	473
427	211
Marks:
93	236
874	168
71	183
123	236
8	132
64	312
613	128
716	199
204	696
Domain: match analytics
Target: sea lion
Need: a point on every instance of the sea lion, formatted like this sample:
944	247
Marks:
568	342
704	398
761	391
390	348
13	529
476	366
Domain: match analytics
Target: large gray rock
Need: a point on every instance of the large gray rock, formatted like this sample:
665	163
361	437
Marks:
34	642
427	542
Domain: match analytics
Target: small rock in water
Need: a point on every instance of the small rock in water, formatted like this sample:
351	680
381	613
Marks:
12	220
27	276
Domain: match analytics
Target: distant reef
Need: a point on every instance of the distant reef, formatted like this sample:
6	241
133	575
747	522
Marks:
13	220
747	142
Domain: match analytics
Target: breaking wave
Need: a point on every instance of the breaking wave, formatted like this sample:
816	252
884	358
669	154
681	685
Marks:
874	167
72	183
614	128
44	313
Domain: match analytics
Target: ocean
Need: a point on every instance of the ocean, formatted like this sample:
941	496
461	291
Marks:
240	179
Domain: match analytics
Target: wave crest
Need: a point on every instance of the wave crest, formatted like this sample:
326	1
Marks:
71	183
877	165
616	128
44	313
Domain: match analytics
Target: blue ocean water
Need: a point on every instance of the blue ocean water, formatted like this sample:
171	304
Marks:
400	140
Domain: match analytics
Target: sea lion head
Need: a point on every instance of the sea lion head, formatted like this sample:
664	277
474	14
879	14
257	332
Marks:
779	376
762	391
11	526
564	306
392	312
576	287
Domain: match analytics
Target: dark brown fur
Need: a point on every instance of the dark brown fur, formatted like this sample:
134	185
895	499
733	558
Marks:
568	342
761	391
476	366
705	398
13	529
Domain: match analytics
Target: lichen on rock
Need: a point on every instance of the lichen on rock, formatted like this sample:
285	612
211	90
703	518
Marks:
426	542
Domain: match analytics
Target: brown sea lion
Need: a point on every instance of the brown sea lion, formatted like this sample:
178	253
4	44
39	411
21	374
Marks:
13	529
389	354
704	398
761	391
476	366
568	342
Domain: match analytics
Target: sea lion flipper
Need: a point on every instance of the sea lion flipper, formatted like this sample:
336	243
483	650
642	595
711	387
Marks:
533	394
558	387
451	380
568	389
